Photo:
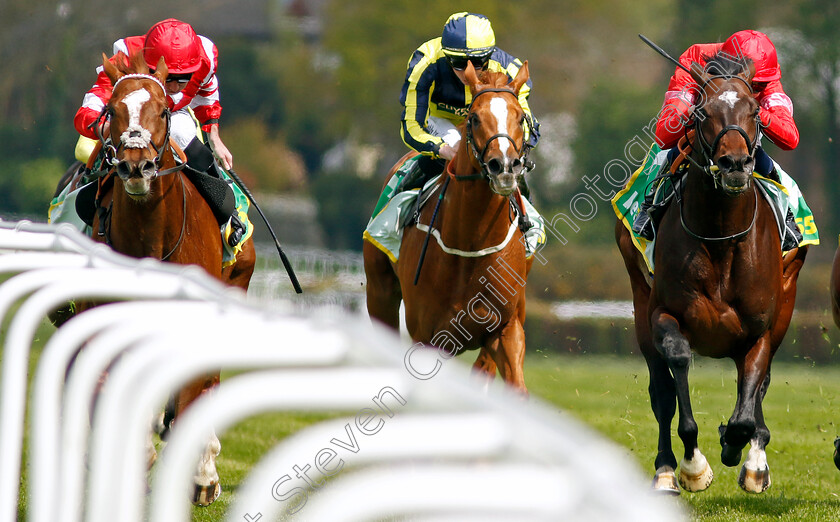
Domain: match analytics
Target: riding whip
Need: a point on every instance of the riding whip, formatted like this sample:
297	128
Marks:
664	53
286	264
429	232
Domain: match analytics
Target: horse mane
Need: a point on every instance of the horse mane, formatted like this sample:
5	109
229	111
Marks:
724	64
493	78
133	64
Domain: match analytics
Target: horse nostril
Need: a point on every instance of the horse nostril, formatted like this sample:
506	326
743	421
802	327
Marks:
725	163
123	170
147	167
494	167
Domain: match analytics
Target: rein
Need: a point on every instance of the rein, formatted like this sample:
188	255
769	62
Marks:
717	239
183	219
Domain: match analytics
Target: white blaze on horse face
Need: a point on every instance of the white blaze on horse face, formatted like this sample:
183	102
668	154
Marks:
498	106
134	103
729	98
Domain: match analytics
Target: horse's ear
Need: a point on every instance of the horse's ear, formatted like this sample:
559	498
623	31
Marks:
749	71
699	74
471	76
138	63
110	69
521	77
161	71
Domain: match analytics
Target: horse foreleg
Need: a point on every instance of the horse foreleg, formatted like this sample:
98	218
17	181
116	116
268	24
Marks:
741	428
663	403
791	265
206	478
695	472
485	366
755	473
509	355
382	288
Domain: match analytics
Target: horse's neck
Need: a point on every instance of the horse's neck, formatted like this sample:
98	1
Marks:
474	209
709	211
152	226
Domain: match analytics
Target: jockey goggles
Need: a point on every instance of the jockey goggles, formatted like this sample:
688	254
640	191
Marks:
181	79
459	63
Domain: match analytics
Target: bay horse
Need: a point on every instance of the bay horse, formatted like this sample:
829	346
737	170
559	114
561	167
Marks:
457	303
721	286
156	211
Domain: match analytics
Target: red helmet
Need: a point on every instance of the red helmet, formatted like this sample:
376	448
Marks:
177	42
758	47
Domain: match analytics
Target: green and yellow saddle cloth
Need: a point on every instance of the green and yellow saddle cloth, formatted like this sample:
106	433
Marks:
395	206
63	208
784	197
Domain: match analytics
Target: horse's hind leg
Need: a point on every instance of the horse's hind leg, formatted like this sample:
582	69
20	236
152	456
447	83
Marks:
695	472
239	274
382	288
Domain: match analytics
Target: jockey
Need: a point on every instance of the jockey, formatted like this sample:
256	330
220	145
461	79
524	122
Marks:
775	112
193	91
433	96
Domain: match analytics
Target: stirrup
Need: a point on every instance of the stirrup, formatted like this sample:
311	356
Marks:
237	230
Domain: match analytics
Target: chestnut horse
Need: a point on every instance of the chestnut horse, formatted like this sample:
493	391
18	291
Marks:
156	211
720	287
471	290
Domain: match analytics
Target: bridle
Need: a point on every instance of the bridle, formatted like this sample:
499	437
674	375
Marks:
522	151
110	151
708	150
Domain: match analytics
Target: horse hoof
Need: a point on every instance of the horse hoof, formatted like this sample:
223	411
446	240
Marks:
665	481
754	480
206	495
696	474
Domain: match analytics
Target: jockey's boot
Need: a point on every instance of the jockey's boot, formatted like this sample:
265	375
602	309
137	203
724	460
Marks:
216	189
765	166
524	189
424	169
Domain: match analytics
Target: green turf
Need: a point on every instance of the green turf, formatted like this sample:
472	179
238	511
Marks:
610	394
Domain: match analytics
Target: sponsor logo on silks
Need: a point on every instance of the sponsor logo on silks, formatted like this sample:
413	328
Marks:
458	111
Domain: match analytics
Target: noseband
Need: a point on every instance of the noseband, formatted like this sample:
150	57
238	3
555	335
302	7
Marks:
522	152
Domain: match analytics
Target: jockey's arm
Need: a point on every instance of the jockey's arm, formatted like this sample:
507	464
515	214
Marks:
777	116
219	147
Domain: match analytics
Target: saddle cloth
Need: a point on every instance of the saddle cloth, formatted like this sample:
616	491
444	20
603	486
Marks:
384	230
784	197
64	209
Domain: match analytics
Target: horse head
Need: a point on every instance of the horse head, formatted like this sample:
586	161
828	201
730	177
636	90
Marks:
495	127
139	121
726	121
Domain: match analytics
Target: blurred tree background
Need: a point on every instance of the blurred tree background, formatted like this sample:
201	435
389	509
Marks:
310	90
